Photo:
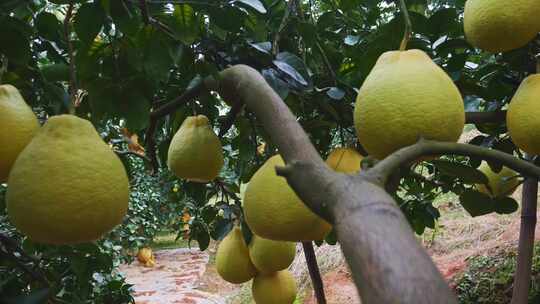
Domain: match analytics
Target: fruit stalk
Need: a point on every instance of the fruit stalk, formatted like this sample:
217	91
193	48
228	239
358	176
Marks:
314	273
408	25
520	294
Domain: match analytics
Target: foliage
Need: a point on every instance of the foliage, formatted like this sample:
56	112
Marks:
489	279
128	59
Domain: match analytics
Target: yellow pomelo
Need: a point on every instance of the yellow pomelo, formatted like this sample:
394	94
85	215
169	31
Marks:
344	160
406	96
67	186
270	256
523	116
503	183
232	258
18	124
274	288
273	211
195	152
501	25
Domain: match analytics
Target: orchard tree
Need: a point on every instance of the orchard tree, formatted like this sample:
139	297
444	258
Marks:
283	76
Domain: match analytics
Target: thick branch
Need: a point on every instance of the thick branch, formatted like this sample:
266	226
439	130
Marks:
485	117
384	168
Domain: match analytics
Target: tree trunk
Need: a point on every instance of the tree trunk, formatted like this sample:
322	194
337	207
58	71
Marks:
522	281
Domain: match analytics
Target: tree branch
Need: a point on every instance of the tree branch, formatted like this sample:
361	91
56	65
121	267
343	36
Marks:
485	117
383	169
314	273
9	249
408	25
529	202
368	223
144	11
282	25
143	157
229	119
73	89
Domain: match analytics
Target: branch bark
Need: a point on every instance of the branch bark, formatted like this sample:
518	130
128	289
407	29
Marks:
314	273
522	281
382	170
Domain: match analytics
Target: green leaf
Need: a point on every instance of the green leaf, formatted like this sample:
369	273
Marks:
203	238
88	22
56	72
467	174
14	43
293	67
477	203
506	205
35	297
186	24
48	26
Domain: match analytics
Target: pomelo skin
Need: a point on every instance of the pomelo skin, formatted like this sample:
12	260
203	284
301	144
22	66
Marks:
270	256
195	152
274	211
405	97
344	160
232	258
18	124
523	116
501	25
275	288
67	186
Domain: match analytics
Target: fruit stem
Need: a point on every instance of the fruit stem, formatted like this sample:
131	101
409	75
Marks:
408	25
3	66
538	63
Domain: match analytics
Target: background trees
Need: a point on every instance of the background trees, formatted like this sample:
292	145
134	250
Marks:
112	61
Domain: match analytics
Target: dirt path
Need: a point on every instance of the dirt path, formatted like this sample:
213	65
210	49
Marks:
175	278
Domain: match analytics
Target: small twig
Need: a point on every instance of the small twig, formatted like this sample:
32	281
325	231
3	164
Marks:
384	169
408	25
230	118
282	25
72	69
314	273
326	62
485	117
10	247
164	110
144	11
143	157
